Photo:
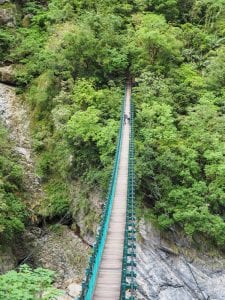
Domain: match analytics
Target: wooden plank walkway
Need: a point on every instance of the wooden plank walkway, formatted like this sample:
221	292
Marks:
109	277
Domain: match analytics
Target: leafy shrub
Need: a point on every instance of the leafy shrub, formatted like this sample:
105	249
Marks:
5	43
28	284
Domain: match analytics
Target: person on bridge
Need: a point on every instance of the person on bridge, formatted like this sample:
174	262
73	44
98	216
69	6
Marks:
126	118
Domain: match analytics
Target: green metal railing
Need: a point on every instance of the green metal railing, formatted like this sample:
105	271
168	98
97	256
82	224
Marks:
88	285
128	282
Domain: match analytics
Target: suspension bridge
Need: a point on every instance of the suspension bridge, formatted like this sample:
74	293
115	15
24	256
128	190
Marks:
111	271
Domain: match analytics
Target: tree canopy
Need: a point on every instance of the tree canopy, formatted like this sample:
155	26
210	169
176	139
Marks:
72	61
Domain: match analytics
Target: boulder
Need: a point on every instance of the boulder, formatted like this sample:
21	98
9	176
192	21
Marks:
7	259
74	290
27	20
7	75
7	14
64	297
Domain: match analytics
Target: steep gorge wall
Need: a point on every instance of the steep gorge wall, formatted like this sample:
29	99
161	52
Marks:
15	115
163	272
58	247
175	270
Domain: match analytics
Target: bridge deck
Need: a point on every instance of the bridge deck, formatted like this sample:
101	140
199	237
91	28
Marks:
109	277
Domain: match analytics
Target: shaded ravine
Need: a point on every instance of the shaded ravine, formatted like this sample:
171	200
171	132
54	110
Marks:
39	246
176	271
163	271
15	116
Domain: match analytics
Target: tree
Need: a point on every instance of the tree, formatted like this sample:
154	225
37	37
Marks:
157	42
215	71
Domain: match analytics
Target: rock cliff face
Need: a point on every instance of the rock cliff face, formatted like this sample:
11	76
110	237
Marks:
7	75
175	271
59	249
56	247
15	116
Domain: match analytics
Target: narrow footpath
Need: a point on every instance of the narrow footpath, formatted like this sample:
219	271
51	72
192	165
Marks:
109	277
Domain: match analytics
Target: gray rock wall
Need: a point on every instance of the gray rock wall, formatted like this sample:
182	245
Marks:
171	272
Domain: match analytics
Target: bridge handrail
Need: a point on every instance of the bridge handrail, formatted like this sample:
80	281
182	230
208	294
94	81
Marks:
88	285
128	282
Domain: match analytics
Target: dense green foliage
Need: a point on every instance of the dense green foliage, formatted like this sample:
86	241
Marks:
68	63
72	58
28	284
180	118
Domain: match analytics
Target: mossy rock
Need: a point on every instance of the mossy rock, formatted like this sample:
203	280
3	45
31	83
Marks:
5	4
7	75
7	259
8	14
27	20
